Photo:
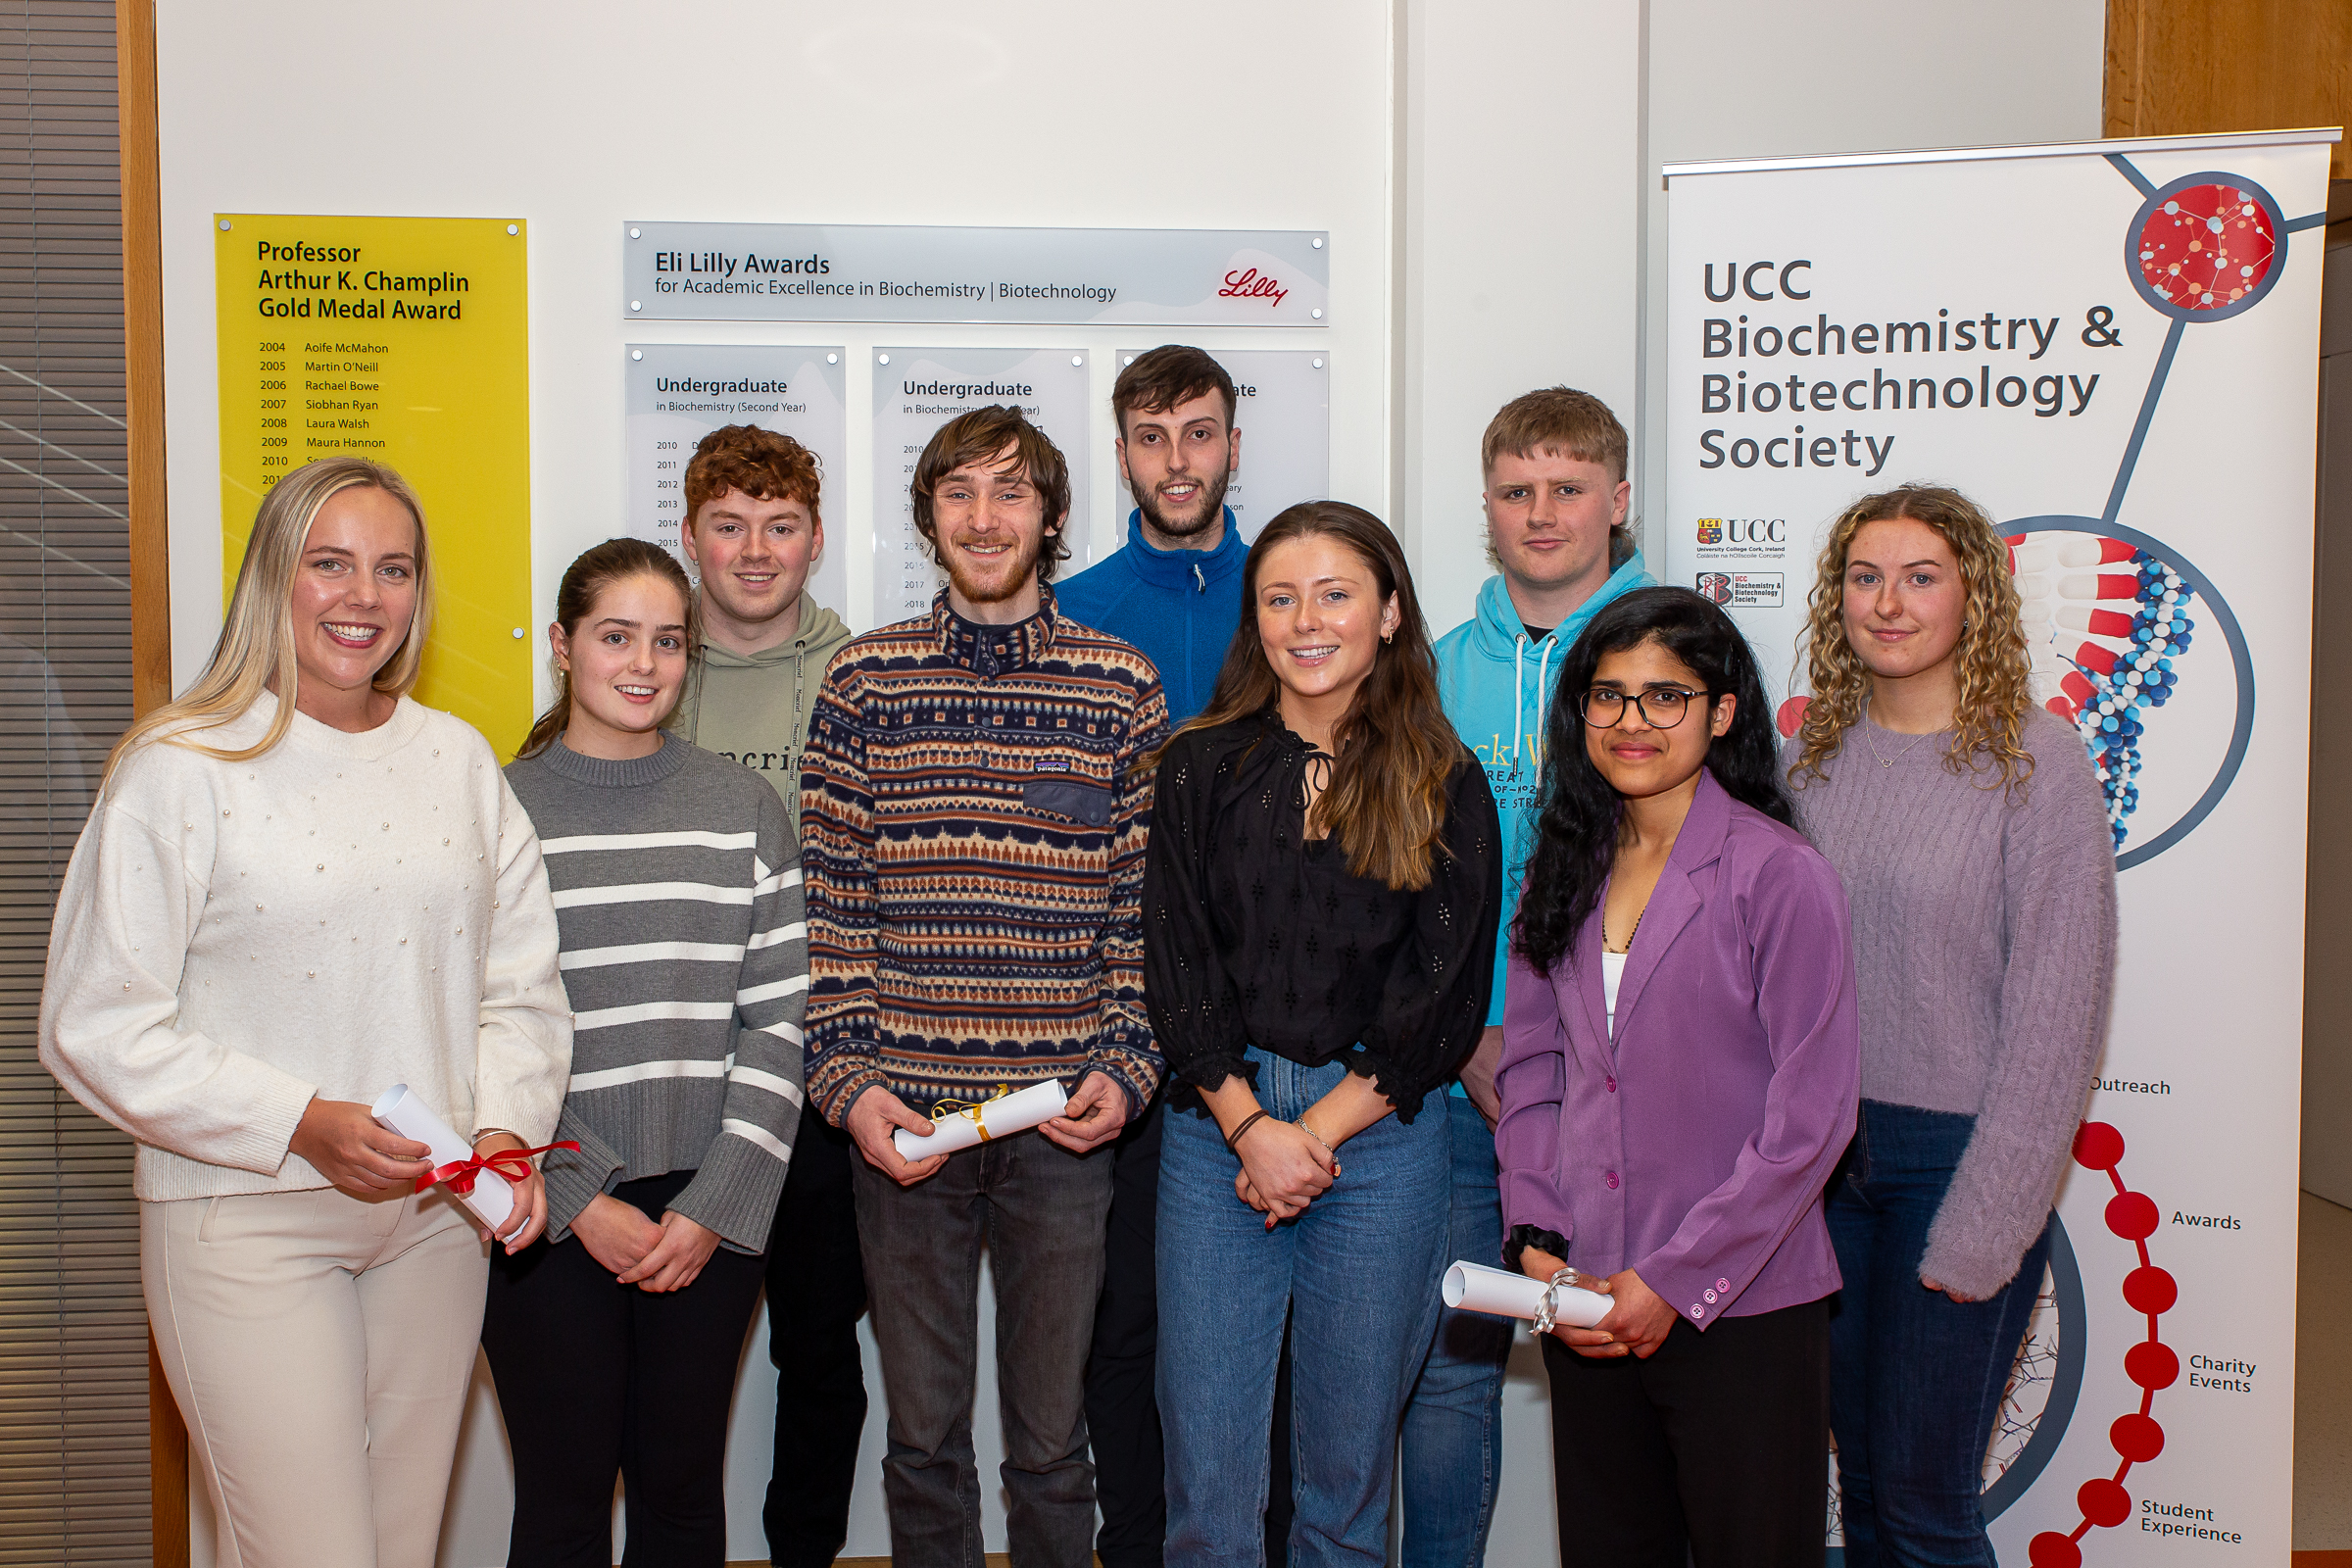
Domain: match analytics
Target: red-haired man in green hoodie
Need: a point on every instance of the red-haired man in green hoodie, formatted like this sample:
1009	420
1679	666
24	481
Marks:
754	530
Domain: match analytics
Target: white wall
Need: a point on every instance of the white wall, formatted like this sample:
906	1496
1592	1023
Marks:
1521	185
1487	176
578	116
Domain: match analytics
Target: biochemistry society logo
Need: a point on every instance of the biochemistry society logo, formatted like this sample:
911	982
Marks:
1742	590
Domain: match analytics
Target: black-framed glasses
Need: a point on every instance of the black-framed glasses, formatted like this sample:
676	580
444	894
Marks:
1662	706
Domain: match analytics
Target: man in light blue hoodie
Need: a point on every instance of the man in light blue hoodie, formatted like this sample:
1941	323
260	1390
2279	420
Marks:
1556	500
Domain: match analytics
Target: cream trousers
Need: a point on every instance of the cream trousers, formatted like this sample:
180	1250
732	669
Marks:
320	1348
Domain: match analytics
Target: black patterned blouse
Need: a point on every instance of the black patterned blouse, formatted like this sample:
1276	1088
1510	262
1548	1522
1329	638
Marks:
1254	934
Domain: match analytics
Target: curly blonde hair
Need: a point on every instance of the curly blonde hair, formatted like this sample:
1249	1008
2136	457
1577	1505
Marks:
1993	665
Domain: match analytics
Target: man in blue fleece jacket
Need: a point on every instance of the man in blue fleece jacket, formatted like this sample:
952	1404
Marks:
1556	500
1175	592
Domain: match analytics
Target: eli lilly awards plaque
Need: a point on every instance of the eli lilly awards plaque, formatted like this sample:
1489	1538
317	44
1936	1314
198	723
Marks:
1060	277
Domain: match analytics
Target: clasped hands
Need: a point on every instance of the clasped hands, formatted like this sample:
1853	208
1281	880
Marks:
1637	1323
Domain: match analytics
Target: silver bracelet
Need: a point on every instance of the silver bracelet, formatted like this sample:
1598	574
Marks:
1317	1137
1551	1299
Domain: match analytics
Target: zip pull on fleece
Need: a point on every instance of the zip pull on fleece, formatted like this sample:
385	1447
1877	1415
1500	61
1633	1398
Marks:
1201	583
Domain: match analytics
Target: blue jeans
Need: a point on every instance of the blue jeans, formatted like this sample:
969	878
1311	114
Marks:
1453	1426
1916	1377
1358	1273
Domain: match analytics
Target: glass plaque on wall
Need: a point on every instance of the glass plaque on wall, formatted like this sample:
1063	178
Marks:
1066	277
918	390
1282	408
680	392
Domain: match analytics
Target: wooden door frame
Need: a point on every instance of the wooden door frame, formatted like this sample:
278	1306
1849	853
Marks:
150	583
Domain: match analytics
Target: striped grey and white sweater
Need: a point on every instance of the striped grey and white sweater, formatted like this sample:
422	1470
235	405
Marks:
678	897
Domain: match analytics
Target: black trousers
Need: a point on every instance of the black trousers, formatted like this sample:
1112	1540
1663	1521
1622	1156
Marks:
1713	1452
597	1379
815	1295
1122	1413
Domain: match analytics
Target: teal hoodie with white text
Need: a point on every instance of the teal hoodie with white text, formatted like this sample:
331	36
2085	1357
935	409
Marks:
1496	685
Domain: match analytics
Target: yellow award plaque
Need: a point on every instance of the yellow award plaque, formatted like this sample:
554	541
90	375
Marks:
405	340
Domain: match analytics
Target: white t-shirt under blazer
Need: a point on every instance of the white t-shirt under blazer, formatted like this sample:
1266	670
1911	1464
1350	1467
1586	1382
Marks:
339	915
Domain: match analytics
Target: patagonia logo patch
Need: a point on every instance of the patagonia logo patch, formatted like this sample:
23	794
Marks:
1051	764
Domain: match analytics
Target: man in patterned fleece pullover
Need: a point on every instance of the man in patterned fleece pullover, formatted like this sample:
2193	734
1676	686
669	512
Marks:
975	796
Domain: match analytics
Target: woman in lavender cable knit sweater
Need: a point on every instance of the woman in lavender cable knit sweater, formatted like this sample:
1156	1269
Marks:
1979	867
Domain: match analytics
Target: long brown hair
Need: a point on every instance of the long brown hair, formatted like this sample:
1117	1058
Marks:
584	582
1991	665
1395	750
257	638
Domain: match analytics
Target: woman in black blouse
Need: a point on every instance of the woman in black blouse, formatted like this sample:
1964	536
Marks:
1319	907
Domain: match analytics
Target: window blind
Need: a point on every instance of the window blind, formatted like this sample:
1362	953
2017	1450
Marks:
74	1470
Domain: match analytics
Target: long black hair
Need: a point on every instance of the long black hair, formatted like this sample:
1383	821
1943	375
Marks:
1577	829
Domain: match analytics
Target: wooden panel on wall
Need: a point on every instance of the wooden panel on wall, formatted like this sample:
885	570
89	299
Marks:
143	354
150	581
2181	67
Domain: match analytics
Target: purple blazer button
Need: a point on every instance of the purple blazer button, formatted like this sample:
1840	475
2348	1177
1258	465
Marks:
1697	1311
1723	1285
1612	1180
1612	1083
1709	1297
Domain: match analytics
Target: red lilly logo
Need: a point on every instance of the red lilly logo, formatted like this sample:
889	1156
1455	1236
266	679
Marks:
1245	284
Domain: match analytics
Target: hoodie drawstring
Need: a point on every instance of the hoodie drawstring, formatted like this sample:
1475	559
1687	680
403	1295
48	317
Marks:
1544	697
1518	699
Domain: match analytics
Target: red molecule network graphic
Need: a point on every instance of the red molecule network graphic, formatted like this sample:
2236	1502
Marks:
2206	247
2151	1365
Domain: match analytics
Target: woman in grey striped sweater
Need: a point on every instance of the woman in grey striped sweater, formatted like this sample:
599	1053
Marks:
677	892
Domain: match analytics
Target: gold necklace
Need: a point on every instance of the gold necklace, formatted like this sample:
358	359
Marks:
1629	936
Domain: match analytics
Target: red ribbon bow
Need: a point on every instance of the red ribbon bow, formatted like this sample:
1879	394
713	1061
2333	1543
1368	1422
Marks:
514	1164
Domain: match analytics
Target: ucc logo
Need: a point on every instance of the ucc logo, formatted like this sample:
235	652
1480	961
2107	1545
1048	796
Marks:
1710	530
1756	530
1245	284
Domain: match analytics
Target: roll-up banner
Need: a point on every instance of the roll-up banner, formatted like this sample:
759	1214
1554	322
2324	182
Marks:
2113	348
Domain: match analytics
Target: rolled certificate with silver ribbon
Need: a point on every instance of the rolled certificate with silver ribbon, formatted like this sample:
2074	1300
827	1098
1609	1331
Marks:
1476	1288
956	1124
488	1194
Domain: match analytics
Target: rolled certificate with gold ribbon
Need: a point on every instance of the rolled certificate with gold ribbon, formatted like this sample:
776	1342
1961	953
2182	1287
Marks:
1476	1288
959	1124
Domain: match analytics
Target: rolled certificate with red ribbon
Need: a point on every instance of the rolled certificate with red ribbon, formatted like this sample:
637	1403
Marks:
1476	1288
958	1124
482	1184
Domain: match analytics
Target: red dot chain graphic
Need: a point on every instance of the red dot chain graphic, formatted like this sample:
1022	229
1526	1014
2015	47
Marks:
2206	247
2151	1365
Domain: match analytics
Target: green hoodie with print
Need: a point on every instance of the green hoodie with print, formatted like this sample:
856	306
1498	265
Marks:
754	708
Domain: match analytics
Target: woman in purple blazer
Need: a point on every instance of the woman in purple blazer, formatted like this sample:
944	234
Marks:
1673	1104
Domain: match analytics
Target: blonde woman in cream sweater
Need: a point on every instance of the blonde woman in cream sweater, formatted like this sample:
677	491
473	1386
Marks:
298	888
